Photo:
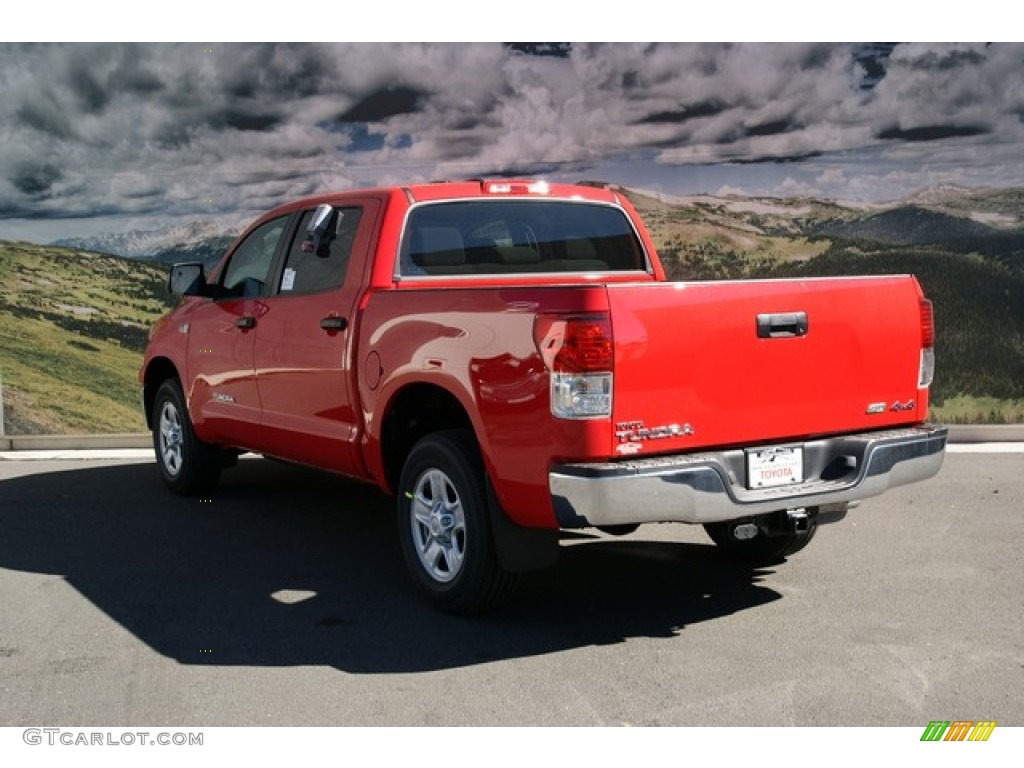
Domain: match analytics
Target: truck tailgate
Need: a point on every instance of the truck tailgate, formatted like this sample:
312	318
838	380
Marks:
699	365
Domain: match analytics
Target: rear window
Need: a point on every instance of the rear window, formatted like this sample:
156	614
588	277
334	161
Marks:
518	237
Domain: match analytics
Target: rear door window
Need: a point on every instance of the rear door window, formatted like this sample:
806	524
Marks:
309	271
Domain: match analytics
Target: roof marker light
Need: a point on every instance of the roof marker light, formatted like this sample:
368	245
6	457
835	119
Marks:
516	187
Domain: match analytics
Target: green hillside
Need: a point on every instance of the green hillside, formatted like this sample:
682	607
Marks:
979	317
73	326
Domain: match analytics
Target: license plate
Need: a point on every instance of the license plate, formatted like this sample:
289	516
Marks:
769	467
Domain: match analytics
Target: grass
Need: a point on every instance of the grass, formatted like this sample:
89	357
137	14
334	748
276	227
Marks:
966	409
73	326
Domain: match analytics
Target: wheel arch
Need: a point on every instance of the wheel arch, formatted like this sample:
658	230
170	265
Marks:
414	411
158	370
418	409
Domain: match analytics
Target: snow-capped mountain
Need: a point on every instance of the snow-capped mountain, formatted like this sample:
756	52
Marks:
939	194
191	241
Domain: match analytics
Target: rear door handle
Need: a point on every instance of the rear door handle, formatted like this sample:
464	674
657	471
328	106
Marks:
783	325
333	323
245	322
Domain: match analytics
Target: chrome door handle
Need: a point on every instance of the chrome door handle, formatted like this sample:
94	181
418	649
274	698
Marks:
333	323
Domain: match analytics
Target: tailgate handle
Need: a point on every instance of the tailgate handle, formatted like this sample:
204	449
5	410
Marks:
784	325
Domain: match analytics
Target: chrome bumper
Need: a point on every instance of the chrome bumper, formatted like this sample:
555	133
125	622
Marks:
710	487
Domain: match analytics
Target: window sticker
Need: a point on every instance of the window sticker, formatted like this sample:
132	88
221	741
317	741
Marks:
288	281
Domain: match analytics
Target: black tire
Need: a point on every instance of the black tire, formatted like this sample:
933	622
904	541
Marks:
444	526
187	465
762	549
622	529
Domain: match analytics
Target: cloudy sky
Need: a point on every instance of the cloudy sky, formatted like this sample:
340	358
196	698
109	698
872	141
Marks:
115	137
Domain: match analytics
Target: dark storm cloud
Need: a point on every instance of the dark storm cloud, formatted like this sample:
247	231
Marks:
817	56
467	123
171	135
247	121
873	61
955	59
245	178
783	159
141	194
557	50
103	127
933	132
772	128
457	146
271	71
380	105
35	181
524	171
41	112
98	73
91	94
136	79
708	108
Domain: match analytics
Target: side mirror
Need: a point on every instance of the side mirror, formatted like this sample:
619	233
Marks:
317	228
187	279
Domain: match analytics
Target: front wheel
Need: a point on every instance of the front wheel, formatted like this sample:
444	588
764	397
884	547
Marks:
187	465
444	526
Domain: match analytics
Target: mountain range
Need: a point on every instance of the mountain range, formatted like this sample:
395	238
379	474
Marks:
941	214
74	319
204	241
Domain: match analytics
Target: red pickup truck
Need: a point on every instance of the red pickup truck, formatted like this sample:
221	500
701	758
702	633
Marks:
507	359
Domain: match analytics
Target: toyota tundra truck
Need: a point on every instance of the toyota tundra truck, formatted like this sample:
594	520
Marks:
507	359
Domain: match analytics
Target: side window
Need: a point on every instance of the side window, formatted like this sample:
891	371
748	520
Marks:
249	267
308	271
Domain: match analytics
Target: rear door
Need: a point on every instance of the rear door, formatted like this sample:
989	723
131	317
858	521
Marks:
735	363
303	352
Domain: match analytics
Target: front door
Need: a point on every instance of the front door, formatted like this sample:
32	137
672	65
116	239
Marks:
223	396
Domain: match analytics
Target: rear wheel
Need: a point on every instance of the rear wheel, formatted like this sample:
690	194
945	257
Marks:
444	526
187	465
746	541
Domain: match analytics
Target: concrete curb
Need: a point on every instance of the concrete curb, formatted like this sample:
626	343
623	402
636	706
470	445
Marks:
988	433
75	442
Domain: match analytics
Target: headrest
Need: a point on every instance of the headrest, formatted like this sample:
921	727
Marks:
580	249
440	247
519	254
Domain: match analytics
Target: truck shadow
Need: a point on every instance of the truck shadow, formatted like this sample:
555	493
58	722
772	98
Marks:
284	566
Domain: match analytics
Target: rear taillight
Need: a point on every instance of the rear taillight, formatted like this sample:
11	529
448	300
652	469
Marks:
927	324
577	350
926	369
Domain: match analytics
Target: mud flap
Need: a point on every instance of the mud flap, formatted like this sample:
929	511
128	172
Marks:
520	549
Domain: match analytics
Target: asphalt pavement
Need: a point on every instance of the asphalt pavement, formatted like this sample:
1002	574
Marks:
282	600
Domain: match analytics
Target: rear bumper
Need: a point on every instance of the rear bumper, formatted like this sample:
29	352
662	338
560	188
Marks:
711	487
